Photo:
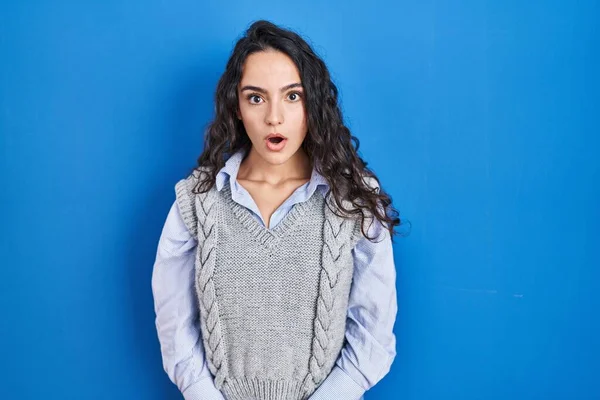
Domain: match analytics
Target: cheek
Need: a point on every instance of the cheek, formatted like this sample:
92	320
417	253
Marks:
294	112
298	116
254	126
251	117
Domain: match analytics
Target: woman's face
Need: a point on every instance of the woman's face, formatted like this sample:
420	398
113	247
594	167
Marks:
271	100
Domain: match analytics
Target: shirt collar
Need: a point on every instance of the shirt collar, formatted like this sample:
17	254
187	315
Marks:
229	173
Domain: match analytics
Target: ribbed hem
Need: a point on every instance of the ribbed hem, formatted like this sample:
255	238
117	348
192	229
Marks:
204	389
338	385
264	389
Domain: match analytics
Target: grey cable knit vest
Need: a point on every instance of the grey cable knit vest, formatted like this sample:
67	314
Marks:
272	302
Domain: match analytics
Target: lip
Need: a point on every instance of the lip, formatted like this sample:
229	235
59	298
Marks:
272	135
275	147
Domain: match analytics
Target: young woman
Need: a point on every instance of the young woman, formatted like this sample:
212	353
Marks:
274	276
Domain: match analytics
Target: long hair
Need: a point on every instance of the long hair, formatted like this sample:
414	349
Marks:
330	146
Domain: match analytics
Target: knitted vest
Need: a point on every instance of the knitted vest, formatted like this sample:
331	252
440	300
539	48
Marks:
272	302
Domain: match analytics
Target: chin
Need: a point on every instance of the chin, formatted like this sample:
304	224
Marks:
276	158
273	157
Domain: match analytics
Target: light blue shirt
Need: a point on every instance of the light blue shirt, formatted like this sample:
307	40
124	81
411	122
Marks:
370	345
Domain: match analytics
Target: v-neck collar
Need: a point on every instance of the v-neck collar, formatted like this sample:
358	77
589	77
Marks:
268	237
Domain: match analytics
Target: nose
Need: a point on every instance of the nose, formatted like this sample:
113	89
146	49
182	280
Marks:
274	114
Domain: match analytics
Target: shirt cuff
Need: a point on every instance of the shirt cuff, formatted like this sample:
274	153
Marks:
338	385
204	389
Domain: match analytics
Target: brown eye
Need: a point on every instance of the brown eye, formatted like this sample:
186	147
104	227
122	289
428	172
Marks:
294	96
253	97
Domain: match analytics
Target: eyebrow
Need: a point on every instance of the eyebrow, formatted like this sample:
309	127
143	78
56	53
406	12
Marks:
261	90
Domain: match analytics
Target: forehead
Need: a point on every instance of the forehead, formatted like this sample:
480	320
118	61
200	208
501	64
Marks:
269	70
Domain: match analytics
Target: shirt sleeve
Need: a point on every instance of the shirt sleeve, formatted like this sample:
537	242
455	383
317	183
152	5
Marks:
370	345
177	313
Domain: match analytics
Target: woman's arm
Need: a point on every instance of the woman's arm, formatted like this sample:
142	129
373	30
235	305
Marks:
176	308
370	345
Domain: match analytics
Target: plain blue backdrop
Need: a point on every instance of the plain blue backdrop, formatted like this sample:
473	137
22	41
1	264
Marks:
480	118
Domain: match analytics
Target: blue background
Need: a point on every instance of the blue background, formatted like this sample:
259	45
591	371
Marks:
480	118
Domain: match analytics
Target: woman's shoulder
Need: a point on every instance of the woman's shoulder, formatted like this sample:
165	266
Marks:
186	190
197	174
191	181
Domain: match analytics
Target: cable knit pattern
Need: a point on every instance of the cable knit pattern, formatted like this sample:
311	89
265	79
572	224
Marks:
340	235
273	302
200	216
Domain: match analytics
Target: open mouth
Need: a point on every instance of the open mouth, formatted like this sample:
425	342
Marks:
276	143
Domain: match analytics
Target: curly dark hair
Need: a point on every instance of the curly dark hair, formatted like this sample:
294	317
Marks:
330	146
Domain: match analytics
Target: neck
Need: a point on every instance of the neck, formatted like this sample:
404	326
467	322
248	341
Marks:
255	168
